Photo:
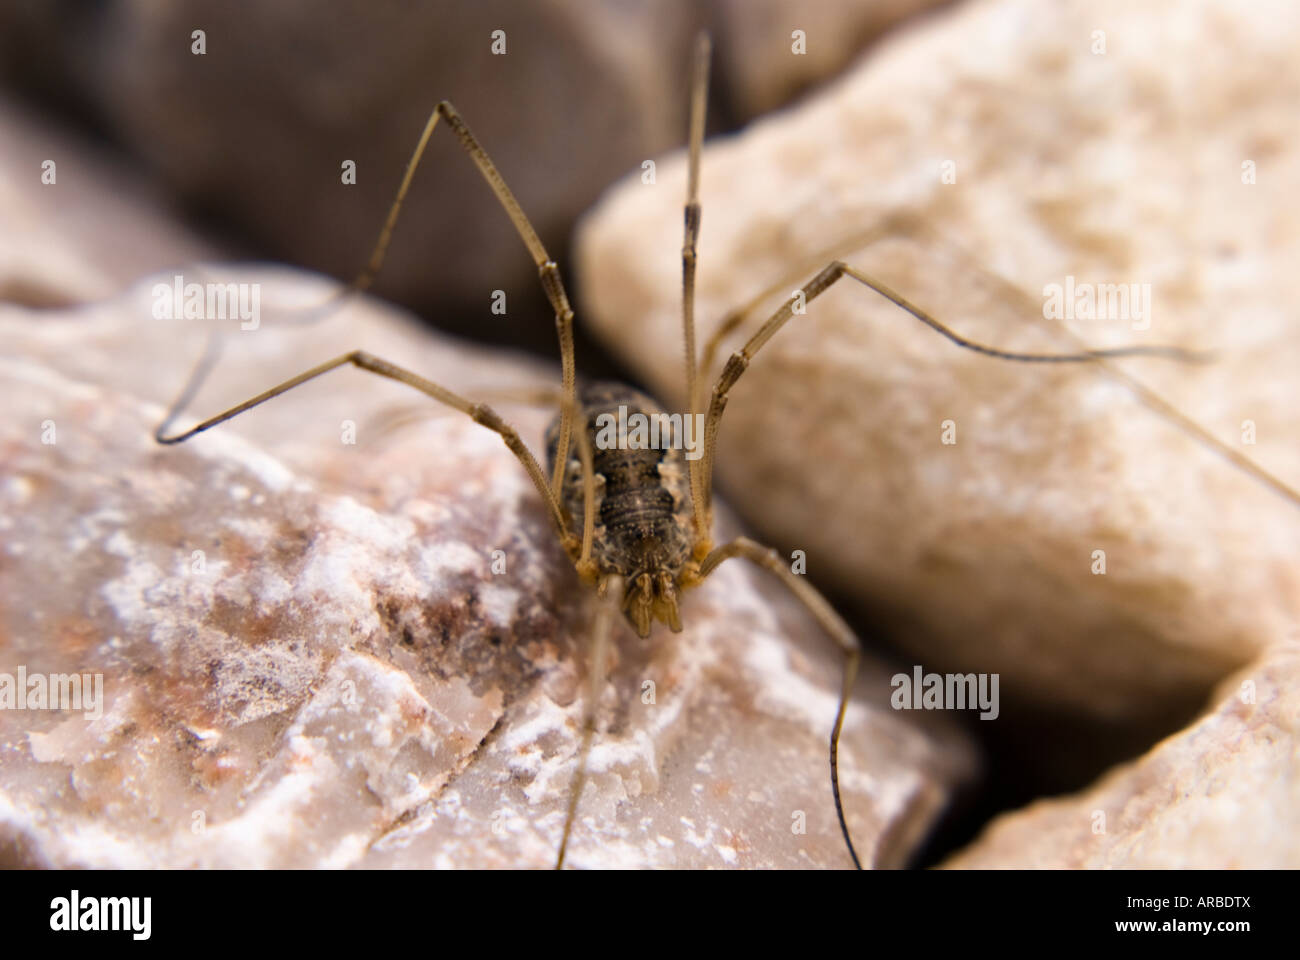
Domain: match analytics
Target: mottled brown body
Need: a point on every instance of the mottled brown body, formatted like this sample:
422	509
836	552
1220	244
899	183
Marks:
643	529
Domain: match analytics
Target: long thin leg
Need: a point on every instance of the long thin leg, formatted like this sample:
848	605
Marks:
541	397
829	620
1166	409
610	593
479	412
739	361
548	273
888	226
547	270
691	231
548	396
586	567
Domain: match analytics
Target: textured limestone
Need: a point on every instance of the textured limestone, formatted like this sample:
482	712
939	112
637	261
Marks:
1117	167
308	659
1225	793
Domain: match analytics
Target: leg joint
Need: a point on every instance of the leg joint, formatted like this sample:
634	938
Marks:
692	218
737	363
549	274
833	272
489	418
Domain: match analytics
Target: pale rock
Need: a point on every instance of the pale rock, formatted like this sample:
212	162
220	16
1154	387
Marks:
307	660
1119	167
1224	793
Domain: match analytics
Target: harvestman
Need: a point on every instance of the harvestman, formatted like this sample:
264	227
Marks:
656	512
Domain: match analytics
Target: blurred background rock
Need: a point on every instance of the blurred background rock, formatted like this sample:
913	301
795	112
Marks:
250	137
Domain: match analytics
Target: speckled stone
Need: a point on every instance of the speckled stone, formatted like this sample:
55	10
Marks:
312	653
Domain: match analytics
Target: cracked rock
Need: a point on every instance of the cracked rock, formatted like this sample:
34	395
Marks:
1224	793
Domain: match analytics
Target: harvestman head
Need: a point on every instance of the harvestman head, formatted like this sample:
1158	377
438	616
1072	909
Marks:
655	538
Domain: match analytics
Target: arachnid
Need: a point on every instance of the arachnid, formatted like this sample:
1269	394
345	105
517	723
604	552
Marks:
636	519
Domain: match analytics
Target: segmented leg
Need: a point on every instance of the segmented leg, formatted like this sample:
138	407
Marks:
610	593
549	397
547	270
888	226
1163	407
691	231
479	412
829	620
740	360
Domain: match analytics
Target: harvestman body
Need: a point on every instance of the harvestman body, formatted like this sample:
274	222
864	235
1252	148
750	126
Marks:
637	523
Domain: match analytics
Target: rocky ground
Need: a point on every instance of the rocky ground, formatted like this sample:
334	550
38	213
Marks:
319	652
310	654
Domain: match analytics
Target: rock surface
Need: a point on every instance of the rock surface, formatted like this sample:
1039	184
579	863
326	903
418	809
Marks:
1123	166
307	656
1225	793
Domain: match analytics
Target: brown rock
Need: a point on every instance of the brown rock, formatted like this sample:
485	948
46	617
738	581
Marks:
254	131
